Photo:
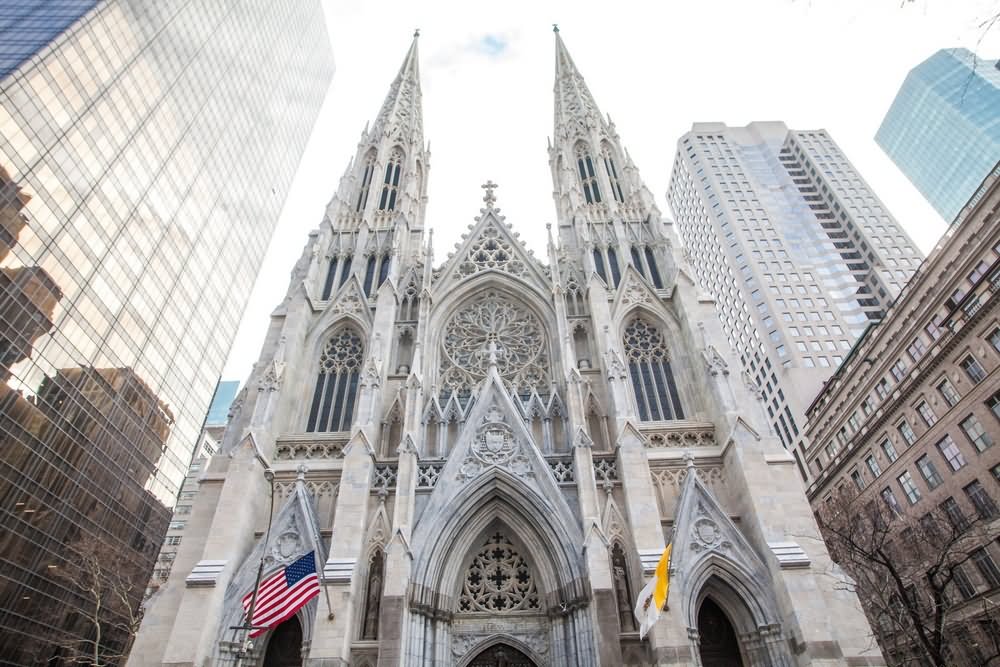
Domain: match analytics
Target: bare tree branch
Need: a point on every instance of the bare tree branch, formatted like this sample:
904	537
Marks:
906	574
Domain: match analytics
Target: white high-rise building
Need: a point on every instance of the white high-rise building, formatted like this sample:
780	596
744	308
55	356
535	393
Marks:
797	249
488	454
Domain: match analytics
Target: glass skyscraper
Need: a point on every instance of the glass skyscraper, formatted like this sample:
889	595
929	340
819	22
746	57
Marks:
943	128
146	150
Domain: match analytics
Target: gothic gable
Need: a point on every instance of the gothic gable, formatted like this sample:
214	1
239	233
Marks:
294	533
348	301
708	545
491	245
494	451
634	290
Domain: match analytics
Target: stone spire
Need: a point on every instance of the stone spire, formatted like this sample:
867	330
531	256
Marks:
386	181
601	202
401	116
575	108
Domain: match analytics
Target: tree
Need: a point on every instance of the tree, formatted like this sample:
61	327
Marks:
910	575
108	587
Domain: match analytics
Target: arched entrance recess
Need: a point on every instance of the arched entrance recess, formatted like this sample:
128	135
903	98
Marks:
501	655
718	645
284	649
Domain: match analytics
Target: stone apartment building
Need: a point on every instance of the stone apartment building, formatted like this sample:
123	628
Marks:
912	417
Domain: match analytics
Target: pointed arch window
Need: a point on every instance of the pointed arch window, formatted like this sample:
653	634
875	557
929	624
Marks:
649	367
616	274
609	166
366	182
599	264
645	263
651	268
332	407
575	305
607	257
343	264
331	276
390	183
588	177
377	268
409	307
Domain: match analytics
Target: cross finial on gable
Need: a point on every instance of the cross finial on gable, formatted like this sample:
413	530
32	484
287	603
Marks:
489	197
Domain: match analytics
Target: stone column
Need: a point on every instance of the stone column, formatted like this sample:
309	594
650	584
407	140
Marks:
331	644
392	611
229	540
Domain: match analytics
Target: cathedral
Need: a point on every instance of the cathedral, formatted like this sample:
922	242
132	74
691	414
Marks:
487	455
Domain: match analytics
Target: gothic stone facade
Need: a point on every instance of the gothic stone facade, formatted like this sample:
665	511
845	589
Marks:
492	452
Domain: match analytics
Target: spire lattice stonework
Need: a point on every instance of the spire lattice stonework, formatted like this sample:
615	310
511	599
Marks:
400	111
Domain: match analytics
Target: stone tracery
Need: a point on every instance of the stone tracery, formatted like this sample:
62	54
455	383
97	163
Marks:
493	321
492	251
498	581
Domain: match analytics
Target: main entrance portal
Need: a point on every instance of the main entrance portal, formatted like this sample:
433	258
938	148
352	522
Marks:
501	655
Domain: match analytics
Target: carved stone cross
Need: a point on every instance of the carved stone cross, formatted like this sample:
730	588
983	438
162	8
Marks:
489	197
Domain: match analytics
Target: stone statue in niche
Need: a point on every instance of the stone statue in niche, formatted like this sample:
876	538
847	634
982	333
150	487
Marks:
373	598
623	590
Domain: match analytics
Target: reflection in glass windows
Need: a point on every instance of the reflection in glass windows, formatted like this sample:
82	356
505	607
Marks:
140	180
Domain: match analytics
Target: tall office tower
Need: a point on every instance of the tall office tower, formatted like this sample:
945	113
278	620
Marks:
796	248
943	129
145	153
483	459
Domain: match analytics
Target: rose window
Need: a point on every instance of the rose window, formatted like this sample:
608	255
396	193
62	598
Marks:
498	581
492	327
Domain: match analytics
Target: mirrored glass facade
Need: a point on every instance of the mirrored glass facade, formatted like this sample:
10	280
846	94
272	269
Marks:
943	128
145	155
28	26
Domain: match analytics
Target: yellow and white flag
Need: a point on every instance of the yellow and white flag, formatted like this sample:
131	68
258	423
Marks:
653	595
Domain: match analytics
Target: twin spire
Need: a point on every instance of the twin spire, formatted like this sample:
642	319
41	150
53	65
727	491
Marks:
388	176
401	112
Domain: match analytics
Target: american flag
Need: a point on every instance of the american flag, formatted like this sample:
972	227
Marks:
282	594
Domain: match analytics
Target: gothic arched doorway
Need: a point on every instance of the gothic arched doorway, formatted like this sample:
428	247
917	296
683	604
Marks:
718	645
501	655
285	647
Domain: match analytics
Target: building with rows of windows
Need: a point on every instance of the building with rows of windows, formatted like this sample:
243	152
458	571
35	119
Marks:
799	252
911	420
488	454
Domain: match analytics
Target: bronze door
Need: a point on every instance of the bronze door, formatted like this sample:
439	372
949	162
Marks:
501	655
718	645
285	647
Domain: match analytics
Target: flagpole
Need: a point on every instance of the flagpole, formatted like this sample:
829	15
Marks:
317	546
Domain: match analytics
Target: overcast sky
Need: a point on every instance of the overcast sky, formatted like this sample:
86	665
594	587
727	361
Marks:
656	67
